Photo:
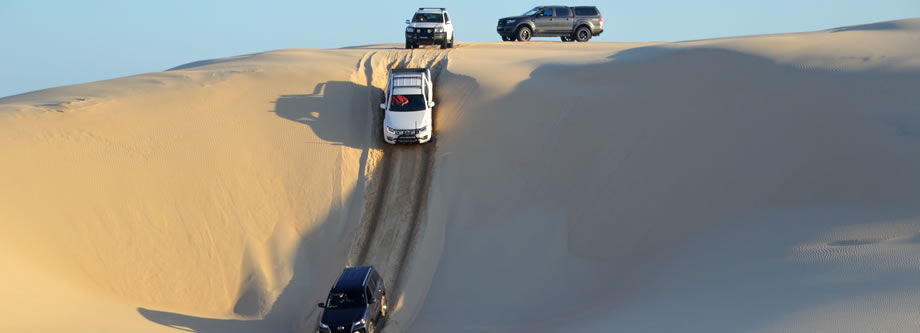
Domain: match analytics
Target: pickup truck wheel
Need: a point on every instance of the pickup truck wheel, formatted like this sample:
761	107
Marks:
507	39
408	45
582	34
523	34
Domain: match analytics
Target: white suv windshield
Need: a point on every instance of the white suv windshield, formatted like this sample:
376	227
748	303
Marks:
407	103
428	17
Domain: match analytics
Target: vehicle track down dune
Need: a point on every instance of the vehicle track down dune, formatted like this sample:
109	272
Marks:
398	185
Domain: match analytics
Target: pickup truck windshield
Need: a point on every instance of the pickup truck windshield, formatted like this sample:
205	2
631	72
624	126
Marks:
532	11
407	103
430	17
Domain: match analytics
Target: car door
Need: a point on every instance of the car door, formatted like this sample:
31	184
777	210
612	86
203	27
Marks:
372	296
448	27
563	20
543	22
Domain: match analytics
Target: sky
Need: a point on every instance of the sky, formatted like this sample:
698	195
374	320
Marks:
45	44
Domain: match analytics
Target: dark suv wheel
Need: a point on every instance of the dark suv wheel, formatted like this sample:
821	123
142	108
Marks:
523	34
582	34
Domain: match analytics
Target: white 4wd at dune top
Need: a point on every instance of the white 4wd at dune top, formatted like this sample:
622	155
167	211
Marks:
407	108
430	26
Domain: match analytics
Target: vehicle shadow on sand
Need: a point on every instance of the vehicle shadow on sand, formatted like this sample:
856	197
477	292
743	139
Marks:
338	113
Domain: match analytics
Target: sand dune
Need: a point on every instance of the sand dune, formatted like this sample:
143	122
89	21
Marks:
757	183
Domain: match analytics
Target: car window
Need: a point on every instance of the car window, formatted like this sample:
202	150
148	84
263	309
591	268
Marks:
585	11
563	12
532	11
428	17
345	300
407	103
446	18
548	12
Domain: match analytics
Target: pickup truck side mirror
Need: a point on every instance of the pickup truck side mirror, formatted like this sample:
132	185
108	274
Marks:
383	106
407	21
322	305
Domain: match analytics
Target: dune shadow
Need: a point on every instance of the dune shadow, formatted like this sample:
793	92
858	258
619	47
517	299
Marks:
657	104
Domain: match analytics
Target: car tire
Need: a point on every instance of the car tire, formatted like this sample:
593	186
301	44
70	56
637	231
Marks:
408	45
507	39
370	327
582	34
444	44
565	38
523	34
383	306
450	45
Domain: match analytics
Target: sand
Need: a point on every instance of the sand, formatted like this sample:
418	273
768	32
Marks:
748	184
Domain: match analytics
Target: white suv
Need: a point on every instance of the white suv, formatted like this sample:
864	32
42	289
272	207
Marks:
407	108
430	26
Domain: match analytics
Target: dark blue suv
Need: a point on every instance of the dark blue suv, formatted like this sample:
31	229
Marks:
357	303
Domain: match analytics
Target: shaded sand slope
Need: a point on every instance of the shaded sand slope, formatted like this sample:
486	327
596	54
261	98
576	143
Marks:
761	183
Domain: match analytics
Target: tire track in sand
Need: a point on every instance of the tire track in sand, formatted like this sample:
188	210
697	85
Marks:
398	186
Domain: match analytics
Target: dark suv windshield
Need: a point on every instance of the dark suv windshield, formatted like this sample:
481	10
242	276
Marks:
407	103
345	300
532	11
428	17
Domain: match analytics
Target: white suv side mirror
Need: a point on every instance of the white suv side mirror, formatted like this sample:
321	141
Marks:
431	104
383	106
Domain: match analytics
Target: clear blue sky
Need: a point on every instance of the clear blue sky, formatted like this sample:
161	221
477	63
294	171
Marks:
54	43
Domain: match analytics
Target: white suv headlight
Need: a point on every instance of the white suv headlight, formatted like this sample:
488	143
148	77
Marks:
409	29
439	29
420	130
389	130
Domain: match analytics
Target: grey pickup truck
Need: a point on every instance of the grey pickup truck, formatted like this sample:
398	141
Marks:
578	23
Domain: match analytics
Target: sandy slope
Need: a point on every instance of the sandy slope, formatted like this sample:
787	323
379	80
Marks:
761	183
